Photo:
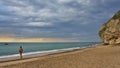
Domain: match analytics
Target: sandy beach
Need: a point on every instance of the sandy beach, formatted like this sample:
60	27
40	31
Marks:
95	57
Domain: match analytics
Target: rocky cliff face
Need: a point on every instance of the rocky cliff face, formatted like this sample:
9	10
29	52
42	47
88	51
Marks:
110	31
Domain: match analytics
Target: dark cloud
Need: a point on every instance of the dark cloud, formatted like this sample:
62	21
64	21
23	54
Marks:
72	19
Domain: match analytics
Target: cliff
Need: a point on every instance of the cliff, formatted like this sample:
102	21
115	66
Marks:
110	31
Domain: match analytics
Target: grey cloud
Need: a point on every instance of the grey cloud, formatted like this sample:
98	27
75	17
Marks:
66	18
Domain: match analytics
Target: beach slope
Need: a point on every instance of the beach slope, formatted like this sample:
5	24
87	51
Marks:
95	57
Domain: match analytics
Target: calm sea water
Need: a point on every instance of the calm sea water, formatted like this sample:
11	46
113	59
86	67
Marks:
12	48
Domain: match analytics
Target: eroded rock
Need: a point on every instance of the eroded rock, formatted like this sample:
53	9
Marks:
110	31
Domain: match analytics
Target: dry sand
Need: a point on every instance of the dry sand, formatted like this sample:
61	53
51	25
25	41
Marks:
96	57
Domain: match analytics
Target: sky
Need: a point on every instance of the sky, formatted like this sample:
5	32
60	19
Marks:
54	20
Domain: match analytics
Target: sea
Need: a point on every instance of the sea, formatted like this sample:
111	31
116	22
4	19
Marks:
12	49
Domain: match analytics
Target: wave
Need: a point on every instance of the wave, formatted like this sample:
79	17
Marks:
46	52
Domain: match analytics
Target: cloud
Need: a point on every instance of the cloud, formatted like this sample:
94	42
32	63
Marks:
78	19
38	24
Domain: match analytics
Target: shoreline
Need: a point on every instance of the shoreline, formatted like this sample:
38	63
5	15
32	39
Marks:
15	57
92	57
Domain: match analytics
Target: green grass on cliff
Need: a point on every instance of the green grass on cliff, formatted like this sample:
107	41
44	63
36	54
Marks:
102	29
116	16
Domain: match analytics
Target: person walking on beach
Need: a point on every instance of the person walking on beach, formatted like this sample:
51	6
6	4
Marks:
21	51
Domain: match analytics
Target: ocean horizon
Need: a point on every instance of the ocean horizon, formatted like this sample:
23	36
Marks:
12	49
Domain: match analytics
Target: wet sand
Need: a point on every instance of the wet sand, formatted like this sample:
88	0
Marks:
95	57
